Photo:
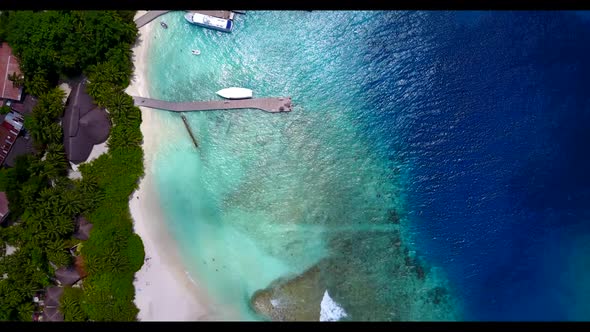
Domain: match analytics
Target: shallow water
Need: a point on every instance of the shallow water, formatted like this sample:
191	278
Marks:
402	139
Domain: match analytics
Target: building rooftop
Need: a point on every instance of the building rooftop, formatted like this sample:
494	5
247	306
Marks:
52	314
3	206
8	65
67	275
52	296
84	124
21	146
9	131
83	229
25	107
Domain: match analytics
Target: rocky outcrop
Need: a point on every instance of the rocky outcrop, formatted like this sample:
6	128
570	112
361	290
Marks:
295	299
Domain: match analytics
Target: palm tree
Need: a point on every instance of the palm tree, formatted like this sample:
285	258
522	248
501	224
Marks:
56	148
133	114
28	193
52	104
17	80
109	73
124	137
37	168
33	128
56	253
88	183
93	264
45	196
66	225
53	133
25	311
120	102
55	161
100	91
37	85
71	310
73	202
11	296
57	227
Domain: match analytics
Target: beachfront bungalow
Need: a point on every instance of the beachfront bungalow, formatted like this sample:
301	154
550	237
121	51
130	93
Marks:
4	211
84	124
52	296
67	276
83	228
8	65
50	305
52	314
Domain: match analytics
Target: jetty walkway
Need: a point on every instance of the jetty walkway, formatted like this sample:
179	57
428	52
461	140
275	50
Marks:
271	105
148	17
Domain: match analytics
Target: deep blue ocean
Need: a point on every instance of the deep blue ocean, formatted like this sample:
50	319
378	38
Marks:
499	192
470	127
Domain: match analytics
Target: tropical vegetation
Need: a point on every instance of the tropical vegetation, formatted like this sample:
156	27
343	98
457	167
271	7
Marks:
44	202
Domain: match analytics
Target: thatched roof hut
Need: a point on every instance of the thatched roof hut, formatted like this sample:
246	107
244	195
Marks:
95	124
83	228
84	124
52	296
67	275
52	314
70	122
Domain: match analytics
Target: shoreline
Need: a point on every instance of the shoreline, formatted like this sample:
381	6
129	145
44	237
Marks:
163	290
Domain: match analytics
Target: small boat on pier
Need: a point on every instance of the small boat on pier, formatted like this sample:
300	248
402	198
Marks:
235	93
210	22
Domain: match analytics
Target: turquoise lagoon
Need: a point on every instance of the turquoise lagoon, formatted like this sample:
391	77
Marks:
267	196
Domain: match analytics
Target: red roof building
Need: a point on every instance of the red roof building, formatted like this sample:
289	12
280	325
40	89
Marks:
9	131
3	207
9	65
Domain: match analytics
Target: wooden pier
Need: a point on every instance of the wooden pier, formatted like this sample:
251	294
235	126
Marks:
271	105
148	17
190	132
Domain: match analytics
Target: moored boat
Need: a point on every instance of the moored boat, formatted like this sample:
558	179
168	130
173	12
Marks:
235	93
210	22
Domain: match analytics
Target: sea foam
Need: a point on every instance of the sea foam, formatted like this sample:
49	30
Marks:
330	311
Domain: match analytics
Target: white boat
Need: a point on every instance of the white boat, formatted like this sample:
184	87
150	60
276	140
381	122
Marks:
235	93
210	22
196	52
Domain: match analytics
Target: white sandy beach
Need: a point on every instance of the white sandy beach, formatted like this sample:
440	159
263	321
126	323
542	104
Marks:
163	291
